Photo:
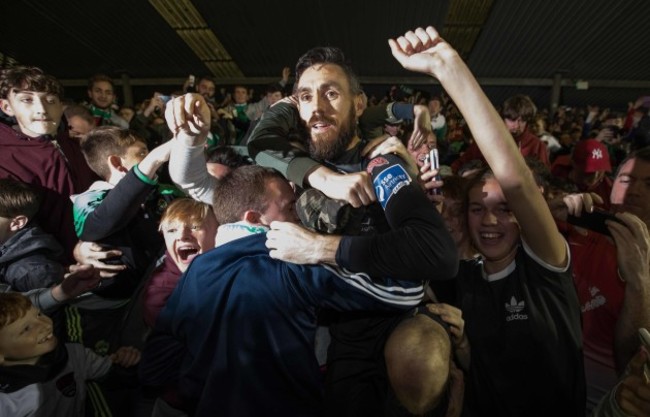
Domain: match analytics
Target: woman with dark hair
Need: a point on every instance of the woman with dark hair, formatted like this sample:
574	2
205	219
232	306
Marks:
521	312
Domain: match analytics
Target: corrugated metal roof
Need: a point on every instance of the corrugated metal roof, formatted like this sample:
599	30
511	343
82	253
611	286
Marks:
517	44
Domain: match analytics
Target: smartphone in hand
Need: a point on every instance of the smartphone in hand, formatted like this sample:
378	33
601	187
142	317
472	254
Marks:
594	221
434	159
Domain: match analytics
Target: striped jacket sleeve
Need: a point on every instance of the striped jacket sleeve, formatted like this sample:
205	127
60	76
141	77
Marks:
343	290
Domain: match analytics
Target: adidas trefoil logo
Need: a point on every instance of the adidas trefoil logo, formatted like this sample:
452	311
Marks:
515	308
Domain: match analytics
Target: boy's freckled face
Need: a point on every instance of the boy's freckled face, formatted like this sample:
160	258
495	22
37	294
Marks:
187	239
25	340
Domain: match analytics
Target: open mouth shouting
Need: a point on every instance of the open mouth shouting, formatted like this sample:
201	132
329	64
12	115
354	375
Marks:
185	253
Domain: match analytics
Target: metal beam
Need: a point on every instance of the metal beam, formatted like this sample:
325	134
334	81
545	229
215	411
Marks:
498	82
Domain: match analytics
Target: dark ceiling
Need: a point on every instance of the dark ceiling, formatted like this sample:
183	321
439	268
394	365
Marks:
513	46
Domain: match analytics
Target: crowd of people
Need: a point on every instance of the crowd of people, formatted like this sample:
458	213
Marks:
205	255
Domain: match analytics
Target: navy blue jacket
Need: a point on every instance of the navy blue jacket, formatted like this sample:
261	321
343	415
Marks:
237	334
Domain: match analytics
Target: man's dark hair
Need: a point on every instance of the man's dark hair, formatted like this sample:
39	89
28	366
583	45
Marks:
226	155
242	189
100	77
18	198
28	79
206	78
519	106
328	55
274	88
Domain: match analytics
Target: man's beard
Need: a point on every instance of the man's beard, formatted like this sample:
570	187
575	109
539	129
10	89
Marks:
323	149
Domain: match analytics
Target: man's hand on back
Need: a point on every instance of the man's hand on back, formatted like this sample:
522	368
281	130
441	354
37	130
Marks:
355	188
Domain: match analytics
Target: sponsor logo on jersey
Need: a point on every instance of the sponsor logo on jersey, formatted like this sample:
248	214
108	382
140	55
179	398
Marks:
388	182
515	309
376	162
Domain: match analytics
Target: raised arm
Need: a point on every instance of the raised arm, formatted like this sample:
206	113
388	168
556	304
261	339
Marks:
97	218
426	52
188	117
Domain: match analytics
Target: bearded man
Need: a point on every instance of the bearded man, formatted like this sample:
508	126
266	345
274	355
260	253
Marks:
314	142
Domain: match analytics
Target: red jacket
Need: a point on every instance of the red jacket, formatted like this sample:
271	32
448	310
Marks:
57	168
159	288
529	146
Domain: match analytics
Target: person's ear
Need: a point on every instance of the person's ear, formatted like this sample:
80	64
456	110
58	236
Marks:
18	222
90	95
358	105
6	107
252	217
115	163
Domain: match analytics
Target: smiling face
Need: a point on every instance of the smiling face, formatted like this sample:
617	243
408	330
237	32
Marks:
187	239
37	113
28	338
329	109
101	94
240	95
491	225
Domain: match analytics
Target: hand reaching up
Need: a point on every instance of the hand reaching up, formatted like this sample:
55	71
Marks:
422	50
188	117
